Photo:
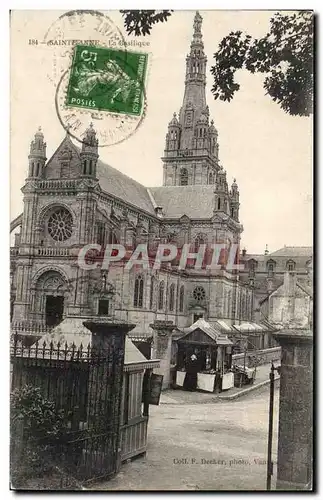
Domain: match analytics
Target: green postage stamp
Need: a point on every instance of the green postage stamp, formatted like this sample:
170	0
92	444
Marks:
107	80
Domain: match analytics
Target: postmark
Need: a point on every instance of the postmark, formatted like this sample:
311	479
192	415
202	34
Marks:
75	27
90	28
107	79
112	128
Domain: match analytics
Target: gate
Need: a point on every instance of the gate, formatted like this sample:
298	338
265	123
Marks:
85	383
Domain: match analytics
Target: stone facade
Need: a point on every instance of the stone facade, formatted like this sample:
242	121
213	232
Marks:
74	199
291	304
273	276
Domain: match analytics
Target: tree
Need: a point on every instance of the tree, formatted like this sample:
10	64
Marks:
36	425
141	21
284	55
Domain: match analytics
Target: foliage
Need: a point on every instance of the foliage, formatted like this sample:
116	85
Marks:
41	418
36	425
140	22
284	54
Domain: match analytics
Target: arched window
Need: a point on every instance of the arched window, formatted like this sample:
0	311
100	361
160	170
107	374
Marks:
252	264
270	268
183	177
181	299
229	304
100	233
152	289
250	306
172	297
219	203
12	302
211	178
161	295
138	294
199	240
112	237
243	308
290	265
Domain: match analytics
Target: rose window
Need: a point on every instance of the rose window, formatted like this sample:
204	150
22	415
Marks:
60	224
199	293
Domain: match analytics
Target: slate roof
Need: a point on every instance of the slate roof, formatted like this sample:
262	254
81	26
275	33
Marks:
197	202
113	182
293	252
300	255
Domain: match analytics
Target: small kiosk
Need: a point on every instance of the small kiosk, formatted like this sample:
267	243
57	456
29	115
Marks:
210	351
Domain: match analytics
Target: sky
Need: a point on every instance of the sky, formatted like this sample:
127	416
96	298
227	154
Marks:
268	151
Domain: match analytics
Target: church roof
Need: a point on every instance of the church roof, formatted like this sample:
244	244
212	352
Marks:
293	252
120	185
196	201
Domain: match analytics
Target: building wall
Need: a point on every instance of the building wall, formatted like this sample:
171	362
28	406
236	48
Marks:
290	303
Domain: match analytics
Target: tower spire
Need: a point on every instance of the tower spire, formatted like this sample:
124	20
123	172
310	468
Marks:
197	34
195	78
191	136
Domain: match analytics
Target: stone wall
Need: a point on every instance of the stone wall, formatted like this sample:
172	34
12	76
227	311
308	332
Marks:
295	445
266	355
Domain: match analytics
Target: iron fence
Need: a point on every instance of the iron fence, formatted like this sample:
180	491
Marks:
84	382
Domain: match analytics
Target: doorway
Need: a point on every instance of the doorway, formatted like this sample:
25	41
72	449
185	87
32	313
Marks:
54	309
197	316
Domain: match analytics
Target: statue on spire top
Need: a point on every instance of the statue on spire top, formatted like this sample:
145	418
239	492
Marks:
197	23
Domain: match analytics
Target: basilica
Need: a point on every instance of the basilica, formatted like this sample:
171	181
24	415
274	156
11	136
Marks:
74	199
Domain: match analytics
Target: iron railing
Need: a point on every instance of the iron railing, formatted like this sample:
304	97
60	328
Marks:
85	383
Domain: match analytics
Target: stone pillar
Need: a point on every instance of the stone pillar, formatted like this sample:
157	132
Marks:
163	348
294	465
106	371
23	297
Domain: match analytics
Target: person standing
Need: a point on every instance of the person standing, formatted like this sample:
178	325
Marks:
190	381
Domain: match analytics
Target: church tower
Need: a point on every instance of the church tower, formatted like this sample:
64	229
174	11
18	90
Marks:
191	150
37	156
89	153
